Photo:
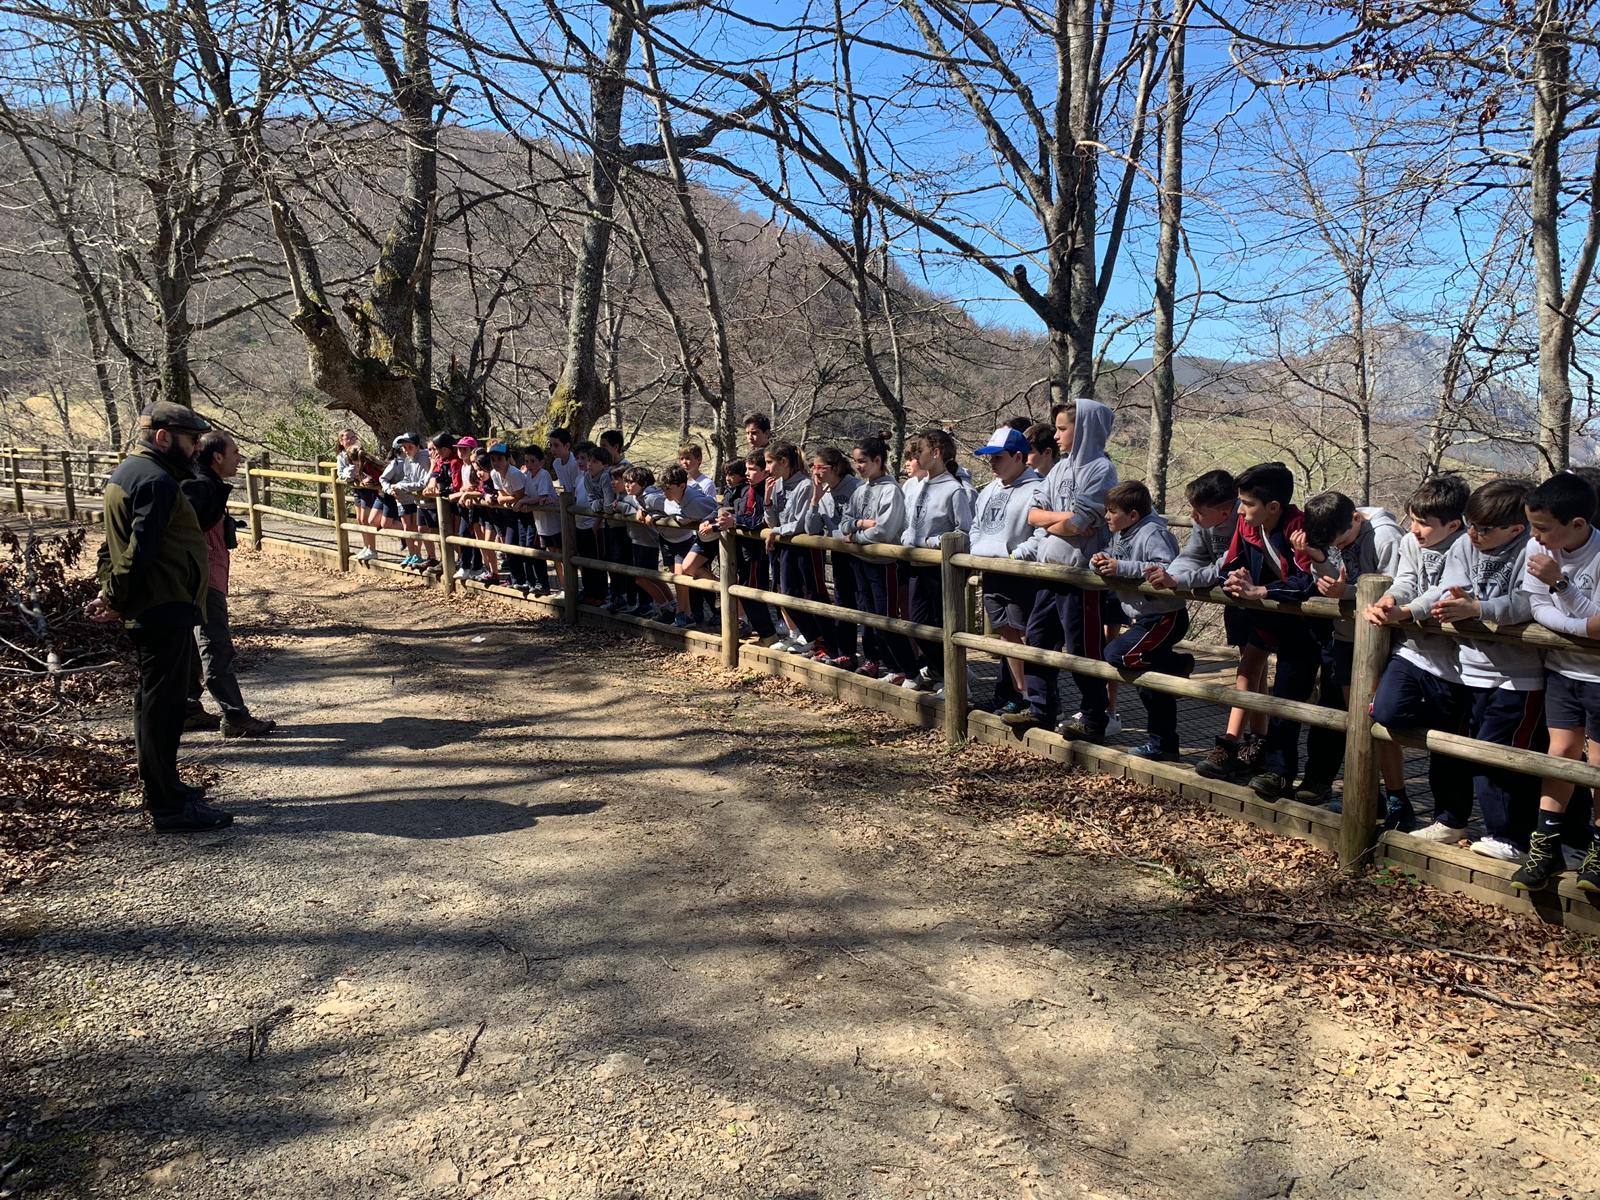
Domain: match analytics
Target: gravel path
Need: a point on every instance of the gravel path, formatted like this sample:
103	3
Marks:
509	914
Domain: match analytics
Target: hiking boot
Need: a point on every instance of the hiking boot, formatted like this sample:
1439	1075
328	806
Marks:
246	726
1221	761
1314	791
1398	814
1269	785
1252	749
1589	869
1076	729
201	721
1544	862
193	817
1023	718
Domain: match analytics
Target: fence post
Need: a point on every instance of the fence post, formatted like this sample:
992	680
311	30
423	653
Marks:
569	573
266	483
341	539
727	572
66	486
953	583
1358	826
447	552
252	494
16	478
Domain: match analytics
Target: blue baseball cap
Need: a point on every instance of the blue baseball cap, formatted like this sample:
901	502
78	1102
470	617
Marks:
499	448
1006	440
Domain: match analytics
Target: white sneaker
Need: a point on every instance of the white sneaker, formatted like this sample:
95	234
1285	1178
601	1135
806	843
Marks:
911	681
1491	847
365	555
1440	832
461	573
894	679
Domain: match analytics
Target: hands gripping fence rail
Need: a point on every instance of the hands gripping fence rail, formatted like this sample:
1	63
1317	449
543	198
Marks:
306	494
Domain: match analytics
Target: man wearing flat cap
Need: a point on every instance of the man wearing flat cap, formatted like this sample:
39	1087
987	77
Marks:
153	578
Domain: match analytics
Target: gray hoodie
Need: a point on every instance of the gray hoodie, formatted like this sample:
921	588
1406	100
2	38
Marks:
1421	567
1495	580
881	501
790	500
942	506
1568	612
1200	564
1078	485
825	516
595	495
1376	548
651	500
1000	518
1148	543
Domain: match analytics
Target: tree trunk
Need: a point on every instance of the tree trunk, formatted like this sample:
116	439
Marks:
580	396
1163	394
1077	22
1552	68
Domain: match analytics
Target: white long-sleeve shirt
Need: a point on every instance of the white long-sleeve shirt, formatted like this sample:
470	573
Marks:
1568	612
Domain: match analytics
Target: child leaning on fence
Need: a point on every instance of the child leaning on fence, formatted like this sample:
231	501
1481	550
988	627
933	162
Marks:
1263	564
641	498
875	515
833	482
1421	684
1562	582
541	506
744	511
999	526
1343	543
943	505
1069	528
1139	541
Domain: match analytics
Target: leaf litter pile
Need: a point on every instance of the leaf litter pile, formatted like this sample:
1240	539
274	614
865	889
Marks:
1275	913
1253	911
60	781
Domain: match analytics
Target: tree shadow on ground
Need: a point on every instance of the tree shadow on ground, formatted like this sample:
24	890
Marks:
428	818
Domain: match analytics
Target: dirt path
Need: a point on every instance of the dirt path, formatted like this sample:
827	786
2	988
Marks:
511	914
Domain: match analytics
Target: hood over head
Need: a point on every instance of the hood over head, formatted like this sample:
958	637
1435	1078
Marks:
1091	430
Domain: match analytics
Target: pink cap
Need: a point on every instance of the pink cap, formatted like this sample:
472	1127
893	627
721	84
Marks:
467	443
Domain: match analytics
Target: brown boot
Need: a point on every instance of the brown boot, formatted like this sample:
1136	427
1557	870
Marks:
198	719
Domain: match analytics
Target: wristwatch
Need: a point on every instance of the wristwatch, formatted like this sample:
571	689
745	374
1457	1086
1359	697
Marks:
1561	585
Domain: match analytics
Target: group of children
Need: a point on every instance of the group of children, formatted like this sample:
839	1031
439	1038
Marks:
1504	553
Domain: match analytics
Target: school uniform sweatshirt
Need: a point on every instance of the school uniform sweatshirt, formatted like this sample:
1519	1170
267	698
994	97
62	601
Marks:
1376	548
651	500
791	498
880	501
1078	485
1000	518
404	478
594	495
825	516
1421	567
1200	563
695	507
943	506
1147	543
1568	612
1494	580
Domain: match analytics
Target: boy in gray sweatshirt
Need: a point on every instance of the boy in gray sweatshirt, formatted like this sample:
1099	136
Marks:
1140	540
999	526
1070	528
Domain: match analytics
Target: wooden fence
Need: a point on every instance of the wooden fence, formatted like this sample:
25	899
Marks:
1355	833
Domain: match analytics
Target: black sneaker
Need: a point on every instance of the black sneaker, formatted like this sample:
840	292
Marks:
1152	752
1314	791
1544	862
193	817
1269	785
1589	869
1075	729
1221	761
1398	814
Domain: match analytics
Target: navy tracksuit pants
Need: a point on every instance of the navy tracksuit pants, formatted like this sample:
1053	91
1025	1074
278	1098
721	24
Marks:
1066	616
1147	645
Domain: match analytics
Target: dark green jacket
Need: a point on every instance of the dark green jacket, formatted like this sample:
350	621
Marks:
153	562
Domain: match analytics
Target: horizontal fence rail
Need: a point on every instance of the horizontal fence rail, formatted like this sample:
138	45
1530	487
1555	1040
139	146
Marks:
958	636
